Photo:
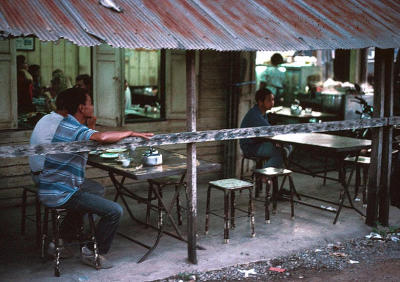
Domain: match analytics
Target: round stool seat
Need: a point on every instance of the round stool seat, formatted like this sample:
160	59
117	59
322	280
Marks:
231	184
273	171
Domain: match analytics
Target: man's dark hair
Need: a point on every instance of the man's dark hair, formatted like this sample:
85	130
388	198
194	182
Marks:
276	59
72	98
262	93
20	60
87	80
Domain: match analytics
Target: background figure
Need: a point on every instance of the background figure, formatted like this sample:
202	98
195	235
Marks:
84	81
34	70
128	96
274	77
59	83
24	86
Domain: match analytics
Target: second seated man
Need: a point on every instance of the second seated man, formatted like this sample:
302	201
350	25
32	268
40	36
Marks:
255	117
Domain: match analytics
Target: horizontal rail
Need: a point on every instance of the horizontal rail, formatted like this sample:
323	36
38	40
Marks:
195	137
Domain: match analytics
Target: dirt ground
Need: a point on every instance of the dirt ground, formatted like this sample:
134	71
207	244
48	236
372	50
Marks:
384	270
362	259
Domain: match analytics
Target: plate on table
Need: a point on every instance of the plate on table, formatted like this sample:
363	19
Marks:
117	150
109	155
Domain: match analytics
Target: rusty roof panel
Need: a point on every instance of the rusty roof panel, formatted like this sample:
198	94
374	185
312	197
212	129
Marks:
209	24
48	20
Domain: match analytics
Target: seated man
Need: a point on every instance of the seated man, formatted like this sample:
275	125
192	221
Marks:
63	174
256	116
43	133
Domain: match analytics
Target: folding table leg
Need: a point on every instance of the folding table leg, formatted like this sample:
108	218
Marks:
232	209
207	210
251	208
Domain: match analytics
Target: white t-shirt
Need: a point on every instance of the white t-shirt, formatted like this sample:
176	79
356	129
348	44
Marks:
274	77
43	134
128	98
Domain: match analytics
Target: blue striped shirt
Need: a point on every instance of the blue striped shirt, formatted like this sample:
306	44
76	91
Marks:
64	173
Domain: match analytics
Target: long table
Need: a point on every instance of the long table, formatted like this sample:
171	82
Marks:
173	164
331	147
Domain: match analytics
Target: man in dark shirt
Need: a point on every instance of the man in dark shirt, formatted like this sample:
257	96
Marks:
255	117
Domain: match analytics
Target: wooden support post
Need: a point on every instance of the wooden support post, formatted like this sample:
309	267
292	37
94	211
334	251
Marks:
384	192
374	175
191	111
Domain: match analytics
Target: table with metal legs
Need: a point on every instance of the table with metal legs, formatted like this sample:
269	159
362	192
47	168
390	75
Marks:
331	147
173	164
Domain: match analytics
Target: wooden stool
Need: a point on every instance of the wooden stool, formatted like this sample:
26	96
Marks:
229	186
259	161
56	219
362	163
272	174
33	189
160	184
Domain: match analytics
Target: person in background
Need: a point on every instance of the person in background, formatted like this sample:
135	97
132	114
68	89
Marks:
84	81
255	117
274	77
59	83
63	174
34	70
24	86
128	95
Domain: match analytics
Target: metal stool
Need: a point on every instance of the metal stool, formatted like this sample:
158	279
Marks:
160	184
56	218
259	164
362	163
272	174
229	186
33	190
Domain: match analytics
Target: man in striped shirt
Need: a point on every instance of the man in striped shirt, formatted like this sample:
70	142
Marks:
63	174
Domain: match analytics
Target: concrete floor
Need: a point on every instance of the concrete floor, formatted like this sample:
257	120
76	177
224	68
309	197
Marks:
20	261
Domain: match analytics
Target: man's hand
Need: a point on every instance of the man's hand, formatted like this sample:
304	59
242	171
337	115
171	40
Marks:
142	135
91	122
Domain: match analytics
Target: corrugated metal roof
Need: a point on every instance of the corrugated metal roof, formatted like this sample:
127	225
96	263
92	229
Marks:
209	24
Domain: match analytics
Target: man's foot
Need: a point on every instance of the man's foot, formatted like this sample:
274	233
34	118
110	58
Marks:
87	257
65	252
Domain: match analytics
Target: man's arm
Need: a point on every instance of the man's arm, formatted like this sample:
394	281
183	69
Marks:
115	136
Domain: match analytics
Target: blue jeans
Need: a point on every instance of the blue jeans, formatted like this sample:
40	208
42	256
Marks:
109	212
267	149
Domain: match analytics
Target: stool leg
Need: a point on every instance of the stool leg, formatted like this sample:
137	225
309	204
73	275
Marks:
291	184
23	211
266	203
45	230
251	208
38	220
365	180
178	206
207	209
56	219
226	217
232	209
242	169
258	186
93	239
358	180
274	194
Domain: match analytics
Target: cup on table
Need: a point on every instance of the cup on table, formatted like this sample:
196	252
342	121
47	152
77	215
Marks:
125	162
